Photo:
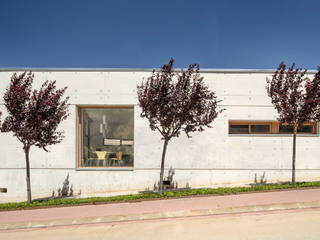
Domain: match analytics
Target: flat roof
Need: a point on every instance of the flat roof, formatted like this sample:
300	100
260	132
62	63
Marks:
203	70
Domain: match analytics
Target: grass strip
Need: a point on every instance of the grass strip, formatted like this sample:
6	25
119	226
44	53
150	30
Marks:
168	194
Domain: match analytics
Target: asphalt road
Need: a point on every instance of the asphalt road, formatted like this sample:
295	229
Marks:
293	225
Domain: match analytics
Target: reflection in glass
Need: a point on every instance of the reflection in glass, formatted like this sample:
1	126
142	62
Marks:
285	129
305	129
302	129
239	129
103	132
260	128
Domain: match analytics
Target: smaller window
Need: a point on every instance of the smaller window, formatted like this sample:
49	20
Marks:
239	129
248	127
260	128
269	127
285	129
306	128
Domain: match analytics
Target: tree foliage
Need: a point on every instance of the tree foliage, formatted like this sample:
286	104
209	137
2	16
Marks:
177	101
295	96
34	115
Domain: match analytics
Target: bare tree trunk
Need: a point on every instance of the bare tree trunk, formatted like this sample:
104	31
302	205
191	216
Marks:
162	165
293	181
26	152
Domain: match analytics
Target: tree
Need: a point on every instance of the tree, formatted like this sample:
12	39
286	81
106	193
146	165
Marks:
175	102
34	115
296	99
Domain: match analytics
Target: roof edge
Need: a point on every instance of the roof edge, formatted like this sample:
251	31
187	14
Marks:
203	70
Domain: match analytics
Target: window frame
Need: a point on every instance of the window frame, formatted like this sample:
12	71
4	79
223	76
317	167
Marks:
79	123
273	128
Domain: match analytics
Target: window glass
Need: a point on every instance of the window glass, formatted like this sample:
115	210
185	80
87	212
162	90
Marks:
285	129
107	137
302	129
269	127
260	128
239	129
306	129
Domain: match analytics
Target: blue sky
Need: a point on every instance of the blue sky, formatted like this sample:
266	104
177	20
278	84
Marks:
145	34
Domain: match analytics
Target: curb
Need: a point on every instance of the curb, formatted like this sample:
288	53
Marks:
159	215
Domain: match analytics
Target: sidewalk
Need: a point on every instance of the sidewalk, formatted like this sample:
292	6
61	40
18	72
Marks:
157	209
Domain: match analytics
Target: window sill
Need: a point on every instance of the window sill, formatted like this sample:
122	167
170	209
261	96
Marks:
105	169
272	135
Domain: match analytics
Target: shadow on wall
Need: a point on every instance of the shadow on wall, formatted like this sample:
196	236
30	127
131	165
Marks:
168	184
262	180
65	191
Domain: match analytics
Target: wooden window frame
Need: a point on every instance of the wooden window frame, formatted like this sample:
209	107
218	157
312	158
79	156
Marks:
79	134
273	127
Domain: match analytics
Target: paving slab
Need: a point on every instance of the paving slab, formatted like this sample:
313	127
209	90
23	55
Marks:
162	208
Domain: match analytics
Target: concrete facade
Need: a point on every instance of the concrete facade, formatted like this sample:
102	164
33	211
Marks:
210	158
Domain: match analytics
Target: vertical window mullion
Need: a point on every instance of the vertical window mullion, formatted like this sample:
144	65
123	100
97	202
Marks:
81	140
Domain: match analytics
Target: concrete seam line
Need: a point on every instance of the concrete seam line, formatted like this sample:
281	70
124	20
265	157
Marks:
160	215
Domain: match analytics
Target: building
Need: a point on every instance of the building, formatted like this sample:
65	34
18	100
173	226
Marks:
109	149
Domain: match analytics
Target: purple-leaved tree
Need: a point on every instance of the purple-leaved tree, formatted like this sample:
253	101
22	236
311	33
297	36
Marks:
296	99
34	115
176	101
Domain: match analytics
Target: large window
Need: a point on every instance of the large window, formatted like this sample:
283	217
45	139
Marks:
106	136
268	127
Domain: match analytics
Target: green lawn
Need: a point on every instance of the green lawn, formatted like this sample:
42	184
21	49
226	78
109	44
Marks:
169	194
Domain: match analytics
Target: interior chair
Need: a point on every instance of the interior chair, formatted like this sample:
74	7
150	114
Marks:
89	161
117	159
102	155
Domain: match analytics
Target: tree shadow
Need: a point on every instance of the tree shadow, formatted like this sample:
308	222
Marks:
262	180
168	184
66	191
